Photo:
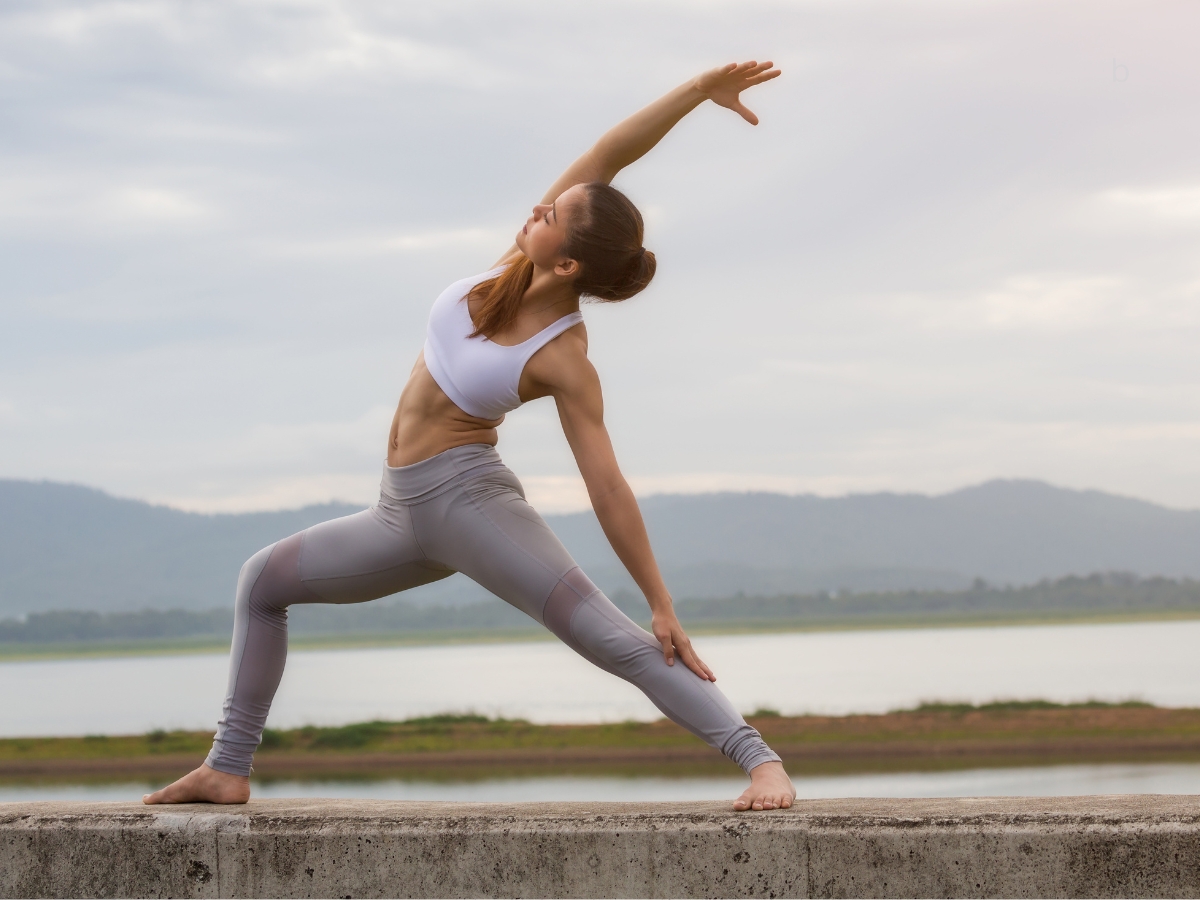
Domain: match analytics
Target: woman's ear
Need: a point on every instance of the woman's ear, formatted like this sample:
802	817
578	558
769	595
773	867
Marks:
566	268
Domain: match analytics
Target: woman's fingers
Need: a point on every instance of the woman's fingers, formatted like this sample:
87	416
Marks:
751	70
697	665
691	659
675	642
724	86
668	645
763	76
741	110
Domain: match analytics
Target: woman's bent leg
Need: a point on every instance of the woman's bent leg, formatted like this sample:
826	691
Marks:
349	560
487	531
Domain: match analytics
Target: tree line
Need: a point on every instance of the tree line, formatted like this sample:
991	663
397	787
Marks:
1098	594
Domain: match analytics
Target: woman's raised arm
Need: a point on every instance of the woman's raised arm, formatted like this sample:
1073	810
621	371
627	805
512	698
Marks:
630	140
633	138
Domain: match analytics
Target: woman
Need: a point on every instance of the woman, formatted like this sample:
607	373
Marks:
448	504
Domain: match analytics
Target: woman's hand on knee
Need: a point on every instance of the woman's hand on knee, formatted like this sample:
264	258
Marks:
675	642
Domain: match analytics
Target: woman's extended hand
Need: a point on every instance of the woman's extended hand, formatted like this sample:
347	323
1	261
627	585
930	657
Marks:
669	633
724	85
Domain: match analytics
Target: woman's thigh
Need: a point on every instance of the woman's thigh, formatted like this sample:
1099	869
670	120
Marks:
486	530
364	556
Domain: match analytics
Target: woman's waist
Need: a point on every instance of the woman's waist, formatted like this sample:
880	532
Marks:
421	429
439	471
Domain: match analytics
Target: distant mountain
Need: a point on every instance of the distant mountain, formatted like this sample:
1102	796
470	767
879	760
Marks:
1009	532
63	546
70	547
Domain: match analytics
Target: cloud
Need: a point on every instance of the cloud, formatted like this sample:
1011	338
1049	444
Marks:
1177	203
75	203
270	492
81	23
384	244
1043	303
327	40
1057	303
953	242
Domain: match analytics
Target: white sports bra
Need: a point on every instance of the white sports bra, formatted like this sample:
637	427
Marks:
480	376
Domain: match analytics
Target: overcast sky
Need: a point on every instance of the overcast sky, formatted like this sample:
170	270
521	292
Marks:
961	245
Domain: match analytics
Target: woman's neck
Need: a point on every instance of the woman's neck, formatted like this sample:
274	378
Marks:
548	290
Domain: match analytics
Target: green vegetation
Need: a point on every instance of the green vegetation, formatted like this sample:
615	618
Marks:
462	747
1107	594
998	706
1106	597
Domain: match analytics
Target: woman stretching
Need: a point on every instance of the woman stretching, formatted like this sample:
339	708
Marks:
448	504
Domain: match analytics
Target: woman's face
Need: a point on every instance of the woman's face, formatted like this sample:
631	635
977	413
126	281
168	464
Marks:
542	236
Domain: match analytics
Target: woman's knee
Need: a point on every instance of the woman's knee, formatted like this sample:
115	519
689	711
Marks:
277	584
251	571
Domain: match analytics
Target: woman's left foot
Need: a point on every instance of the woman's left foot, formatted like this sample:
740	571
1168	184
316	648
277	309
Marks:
203	785
770	788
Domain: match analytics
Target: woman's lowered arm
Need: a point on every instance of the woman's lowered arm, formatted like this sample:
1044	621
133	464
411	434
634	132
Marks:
576	390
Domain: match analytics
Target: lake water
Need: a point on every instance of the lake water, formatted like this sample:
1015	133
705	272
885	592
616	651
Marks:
822	672
1047	781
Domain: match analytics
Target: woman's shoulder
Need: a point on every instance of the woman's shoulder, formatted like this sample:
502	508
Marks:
563	358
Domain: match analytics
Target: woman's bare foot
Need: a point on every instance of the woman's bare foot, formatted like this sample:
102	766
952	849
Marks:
205	785
770	788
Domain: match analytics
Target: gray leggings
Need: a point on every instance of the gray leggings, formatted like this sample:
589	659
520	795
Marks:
459	511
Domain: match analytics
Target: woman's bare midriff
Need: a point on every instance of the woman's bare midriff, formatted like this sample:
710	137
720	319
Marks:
427	422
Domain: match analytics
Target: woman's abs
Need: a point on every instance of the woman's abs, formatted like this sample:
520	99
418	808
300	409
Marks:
427	422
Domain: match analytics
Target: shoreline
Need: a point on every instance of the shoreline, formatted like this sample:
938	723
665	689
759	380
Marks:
32	652
464	748
835	759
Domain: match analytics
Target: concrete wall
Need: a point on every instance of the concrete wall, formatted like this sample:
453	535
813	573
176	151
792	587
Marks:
1090	846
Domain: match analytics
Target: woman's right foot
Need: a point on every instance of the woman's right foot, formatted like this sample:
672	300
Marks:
204	785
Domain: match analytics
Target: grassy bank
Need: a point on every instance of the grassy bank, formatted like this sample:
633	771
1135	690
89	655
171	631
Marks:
465	747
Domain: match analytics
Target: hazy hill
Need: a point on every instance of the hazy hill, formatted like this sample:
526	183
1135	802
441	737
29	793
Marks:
70	547
1010	532
63	546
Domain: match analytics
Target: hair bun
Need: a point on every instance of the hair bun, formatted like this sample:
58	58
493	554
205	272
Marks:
606	238
644	270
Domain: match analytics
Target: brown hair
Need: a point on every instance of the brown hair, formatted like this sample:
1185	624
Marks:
605	238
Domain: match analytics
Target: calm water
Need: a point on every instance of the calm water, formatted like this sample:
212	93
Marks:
831	672
1049	781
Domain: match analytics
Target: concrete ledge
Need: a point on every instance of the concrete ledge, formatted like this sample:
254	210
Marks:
1130	846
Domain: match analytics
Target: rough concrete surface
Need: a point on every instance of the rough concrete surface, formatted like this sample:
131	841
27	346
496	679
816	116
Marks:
1120	846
